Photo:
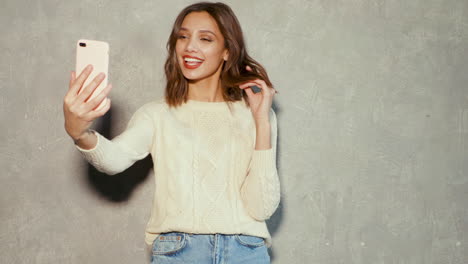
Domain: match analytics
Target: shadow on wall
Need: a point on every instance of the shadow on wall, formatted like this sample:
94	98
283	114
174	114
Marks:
119	187
275	220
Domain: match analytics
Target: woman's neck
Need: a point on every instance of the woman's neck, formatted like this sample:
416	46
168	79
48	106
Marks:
208	89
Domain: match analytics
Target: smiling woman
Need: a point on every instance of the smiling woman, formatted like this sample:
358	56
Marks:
212	140
206	49
200	45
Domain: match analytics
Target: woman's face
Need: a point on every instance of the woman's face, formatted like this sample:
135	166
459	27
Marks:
200	47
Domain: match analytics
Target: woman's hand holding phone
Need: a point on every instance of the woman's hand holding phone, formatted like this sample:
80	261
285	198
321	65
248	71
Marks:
79	108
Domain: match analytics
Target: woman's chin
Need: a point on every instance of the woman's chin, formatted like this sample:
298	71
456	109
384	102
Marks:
192	79
195	78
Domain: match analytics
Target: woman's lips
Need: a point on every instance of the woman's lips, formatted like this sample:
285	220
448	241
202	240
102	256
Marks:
192	65
192	62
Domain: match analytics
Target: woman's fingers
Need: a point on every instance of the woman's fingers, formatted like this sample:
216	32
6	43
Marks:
256	82
72	79
75	85
69	98
259	83
78	82
249	92
91	115
96	101
88	90
253	83
248	84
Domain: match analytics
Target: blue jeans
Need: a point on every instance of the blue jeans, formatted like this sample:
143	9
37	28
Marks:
180	247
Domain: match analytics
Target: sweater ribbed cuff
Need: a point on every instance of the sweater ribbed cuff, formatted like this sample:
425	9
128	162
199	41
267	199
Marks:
95	153
264	160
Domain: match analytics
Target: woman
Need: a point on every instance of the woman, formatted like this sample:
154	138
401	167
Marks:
212	141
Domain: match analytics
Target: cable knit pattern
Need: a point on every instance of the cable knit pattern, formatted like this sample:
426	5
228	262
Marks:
208	176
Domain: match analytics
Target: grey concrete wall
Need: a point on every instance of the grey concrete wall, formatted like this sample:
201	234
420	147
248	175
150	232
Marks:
373	128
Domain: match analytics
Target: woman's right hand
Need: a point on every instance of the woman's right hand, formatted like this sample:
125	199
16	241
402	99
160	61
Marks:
78	109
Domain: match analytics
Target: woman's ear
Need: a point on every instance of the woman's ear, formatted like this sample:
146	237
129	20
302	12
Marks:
226	55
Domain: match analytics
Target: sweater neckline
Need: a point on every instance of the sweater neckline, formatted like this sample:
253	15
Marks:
204	105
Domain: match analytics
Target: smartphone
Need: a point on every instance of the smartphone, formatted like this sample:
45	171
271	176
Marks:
96	53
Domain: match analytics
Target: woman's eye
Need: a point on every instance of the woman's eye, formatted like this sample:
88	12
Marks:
181	36
205	39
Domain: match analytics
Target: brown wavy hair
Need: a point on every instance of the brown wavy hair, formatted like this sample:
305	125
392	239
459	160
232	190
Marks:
233	71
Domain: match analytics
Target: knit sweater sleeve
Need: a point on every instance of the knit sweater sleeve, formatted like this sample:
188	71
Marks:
116	155
260	190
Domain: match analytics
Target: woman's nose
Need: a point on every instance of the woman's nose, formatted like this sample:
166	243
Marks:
191	45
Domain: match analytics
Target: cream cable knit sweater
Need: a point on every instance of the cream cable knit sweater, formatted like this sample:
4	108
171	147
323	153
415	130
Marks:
208	176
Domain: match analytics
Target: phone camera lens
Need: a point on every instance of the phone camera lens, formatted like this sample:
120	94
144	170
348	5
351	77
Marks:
82	44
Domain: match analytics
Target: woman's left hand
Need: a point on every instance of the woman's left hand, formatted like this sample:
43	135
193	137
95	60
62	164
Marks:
260	103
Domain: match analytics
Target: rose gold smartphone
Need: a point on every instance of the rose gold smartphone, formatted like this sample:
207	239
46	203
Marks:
96	53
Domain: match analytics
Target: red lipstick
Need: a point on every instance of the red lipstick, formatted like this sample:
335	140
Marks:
191	62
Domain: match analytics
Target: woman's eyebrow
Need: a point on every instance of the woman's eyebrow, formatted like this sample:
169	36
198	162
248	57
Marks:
207	31
201	30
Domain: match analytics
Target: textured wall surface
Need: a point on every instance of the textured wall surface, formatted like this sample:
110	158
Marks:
373	128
